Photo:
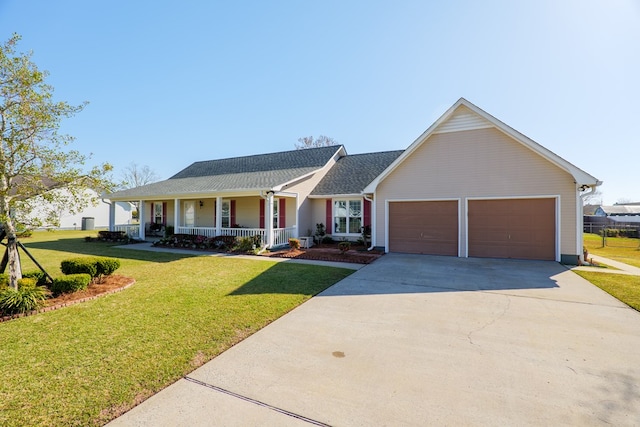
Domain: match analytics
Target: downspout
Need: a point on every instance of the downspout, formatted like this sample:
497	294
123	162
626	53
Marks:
373	221
112	215
580	227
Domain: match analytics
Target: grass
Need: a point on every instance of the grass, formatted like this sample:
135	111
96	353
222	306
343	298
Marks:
88	363
621	249
624	287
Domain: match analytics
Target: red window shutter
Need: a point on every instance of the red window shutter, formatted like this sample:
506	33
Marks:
232	213
164	213
282	213
328	217
366	213
261	213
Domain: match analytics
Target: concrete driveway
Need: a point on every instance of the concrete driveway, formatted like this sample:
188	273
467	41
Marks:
418	340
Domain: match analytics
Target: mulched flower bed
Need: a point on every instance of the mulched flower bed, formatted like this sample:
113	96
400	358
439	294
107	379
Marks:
326	252
111	284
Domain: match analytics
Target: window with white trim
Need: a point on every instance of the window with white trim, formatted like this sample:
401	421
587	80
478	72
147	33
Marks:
226	214
157	212
347	216
276	217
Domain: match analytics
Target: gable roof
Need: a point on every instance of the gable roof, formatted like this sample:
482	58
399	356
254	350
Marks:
248	173
463	115
352	173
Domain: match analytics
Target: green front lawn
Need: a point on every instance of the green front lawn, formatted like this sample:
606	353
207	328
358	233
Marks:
88	363
621	249
624	287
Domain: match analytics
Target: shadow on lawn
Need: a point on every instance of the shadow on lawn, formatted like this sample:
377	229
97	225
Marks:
293	279
79	246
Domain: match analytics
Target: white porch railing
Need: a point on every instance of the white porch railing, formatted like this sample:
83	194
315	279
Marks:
131	230
244	232
202	231
281	236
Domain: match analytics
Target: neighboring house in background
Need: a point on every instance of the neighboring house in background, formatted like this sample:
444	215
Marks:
623	212
96	216
468	186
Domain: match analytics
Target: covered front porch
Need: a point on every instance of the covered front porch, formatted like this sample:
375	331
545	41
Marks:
271	216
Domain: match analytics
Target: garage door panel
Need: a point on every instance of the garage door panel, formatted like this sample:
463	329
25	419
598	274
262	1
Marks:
512	228
424	227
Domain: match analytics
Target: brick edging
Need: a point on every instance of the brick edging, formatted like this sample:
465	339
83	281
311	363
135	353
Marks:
64	304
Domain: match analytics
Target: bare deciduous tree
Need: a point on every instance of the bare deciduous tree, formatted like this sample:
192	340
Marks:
310	142
135	176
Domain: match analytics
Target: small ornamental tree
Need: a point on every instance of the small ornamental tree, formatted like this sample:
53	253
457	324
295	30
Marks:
36	169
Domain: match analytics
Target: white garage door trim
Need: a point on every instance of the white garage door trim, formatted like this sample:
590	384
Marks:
556	197
386	218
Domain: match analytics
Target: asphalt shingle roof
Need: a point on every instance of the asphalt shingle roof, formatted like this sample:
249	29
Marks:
352	173
296	159
262	171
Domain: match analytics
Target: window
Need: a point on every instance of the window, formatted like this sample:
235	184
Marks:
347	216
157	213
189	213
226	214
275	213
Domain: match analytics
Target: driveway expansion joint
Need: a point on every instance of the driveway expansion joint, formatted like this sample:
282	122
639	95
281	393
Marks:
257	402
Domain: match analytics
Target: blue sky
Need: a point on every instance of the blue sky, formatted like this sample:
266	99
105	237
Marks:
170	83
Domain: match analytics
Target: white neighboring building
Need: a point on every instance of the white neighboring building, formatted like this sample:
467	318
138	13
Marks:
95	216
100	215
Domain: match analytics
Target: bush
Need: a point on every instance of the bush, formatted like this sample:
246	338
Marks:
328	240
4	280
70	283
244	244
27	297
344	246
86	265
96	267
106	266
41	278
294	243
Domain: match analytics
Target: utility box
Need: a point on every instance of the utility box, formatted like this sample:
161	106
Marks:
88	223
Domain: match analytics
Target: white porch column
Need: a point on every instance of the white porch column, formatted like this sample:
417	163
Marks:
141	217
112	216
219	215
268	219
176	215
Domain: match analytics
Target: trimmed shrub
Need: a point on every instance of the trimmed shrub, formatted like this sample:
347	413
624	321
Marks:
27	297
70	283
86	265
93	266
106	266
344	246
40	277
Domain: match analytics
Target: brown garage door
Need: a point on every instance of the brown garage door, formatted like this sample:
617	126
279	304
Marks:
512	228
424	227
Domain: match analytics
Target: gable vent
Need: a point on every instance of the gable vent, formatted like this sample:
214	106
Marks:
463	120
